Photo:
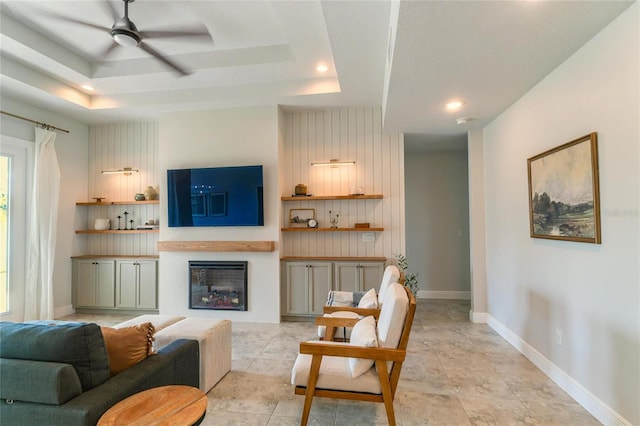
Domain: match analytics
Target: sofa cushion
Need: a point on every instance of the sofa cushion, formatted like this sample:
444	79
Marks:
78	344
127	346
38	381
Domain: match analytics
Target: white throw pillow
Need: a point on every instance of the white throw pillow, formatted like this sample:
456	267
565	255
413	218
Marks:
369	300
363	334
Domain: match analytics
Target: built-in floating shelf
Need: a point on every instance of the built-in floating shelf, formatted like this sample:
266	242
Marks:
115	231
113	203
332	229
334	197
217	246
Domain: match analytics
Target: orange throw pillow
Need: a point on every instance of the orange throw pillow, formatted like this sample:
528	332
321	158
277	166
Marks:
128	346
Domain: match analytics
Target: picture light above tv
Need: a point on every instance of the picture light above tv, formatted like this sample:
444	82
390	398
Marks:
216	196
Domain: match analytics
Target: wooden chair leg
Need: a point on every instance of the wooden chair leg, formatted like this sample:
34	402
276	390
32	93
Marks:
387	395
311	388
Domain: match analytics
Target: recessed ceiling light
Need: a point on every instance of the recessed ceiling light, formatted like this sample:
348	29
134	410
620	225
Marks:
87	87
322	68
454	105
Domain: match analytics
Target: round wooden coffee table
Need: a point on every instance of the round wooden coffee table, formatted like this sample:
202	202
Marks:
165	405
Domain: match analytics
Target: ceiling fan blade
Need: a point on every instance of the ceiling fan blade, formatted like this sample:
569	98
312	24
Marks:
163	59
171	33
105	53
78	21
110	9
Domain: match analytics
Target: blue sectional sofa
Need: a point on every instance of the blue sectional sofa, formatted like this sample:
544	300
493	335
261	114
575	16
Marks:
58	374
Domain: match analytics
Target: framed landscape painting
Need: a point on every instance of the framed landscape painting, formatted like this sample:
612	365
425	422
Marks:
564	198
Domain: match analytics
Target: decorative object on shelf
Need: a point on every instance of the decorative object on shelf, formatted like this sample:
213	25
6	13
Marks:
564	195
362	225
334	220
357	190
312	223
119	217
131	222
410	280
139	197
299	218
127	171
125	219
101	224
99	199
334	162
150	193
300	189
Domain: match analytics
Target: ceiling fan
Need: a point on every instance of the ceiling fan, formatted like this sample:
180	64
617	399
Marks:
125	33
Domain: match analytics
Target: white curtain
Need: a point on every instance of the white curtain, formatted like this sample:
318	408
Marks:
43	219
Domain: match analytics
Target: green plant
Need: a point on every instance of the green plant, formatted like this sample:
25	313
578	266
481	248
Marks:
410	279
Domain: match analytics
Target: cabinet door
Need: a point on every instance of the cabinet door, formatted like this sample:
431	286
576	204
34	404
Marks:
319	285
296	288
347	276
126	280
147	284
105	283
84	282
371	275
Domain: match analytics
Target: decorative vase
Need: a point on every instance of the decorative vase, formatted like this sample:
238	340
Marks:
102	224
150	193
139	197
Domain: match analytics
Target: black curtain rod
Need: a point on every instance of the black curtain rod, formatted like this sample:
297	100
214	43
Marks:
39	123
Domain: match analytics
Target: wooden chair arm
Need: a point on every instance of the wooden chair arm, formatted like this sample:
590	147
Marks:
336	321
345	350
360	311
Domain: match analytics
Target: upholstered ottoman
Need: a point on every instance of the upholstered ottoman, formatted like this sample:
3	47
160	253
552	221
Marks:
158	321
214	337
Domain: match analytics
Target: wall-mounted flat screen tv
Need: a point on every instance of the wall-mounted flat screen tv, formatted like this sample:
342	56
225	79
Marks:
216	196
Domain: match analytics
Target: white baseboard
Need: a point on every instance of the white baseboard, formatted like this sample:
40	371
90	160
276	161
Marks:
478	317
601	411
434	294
63	311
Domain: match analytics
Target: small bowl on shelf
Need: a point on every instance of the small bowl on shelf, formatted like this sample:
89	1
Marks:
99	199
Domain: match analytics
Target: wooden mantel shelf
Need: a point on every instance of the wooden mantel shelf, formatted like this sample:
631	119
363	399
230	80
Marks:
219	246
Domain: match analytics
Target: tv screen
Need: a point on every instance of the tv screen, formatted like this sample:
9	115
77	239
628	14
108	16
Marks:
217	196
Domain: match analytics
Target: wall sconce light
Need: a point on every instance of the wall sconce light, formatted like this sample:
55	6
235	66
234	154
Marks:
127	171
333	163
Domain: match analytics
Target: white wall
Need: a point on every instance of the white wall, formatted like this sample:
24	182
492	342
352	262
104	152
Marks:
437	214
344	134
589	292
72	154
213	138
477	235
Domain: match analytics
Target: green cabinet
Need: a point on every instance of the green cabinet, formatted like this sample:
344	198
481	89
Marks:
93	281
306	287
136	284
357	276
115	284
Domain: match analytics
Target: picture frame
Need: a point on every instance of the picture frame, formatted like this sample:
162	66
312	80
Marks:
299	218
564	192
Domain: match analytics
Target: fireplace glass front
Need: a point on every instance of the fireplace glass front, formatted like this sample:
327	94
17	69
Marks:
218	285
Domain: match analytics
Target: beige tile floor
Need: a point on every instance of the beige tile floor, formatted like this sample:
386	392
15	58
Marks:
456	373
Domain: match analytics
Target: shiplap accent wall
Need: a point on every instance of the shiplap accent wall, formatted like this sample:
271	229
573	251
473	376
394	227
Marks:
344	134
115	146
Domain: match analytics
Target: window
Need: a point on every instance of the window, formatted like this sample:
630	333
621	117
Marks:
5	167
15	161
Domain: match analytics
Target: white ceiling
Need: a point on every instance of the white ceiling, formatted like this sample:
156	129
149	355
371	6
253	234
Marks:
410	57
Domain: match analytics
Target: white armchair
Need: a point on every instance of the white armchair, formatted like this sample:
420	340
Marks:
365	307
351	371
